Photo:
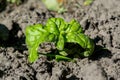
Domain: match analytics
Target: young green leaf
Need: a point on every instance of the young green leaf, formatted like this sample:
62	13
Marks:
60	42
35	35
74	26
59	58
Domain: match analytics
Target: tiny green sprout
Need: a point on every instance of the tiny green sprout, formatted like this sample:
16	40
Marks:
55	5
88	2
60	32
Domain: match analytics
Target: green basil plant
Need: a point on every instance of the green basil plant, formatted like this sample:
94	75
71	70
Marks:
60	32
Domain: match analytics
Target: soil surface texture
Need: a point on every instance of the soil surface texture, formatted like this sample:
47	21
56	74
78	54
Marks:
100	21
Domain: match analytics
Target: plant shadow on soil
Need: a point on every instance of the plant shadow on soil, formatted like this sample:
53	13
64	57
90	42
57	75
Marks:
73	78
13	38
1	73
100	51
3	5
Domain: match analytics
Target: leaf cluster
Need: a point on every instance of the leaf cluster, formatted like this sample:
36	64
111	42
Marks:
60	32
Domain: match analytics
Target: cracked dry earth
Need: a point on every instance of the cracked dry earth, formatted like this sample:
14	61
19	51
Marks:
100	21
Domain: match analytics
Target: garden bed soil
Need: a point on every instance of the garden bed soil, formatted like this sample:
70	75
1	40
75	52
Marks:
100	21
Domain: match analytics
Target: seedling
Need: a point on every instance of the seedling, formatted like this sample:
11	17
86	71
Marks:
55	5
88	2
60	32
